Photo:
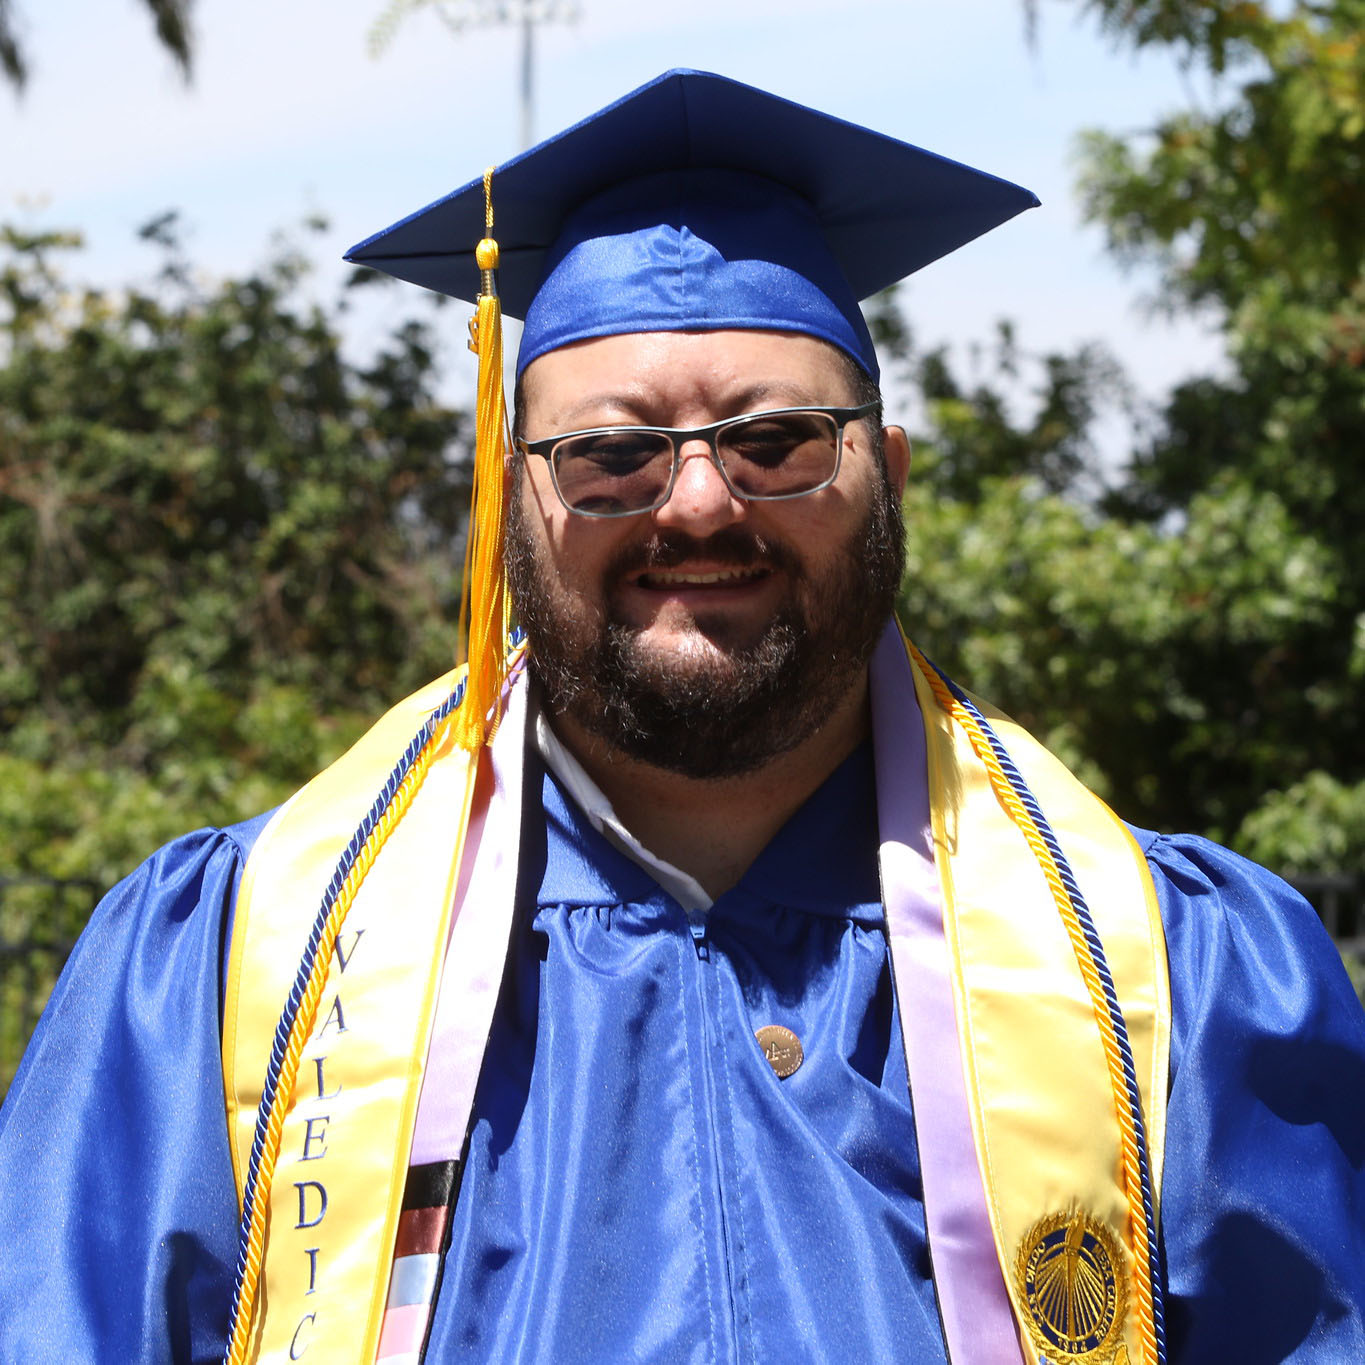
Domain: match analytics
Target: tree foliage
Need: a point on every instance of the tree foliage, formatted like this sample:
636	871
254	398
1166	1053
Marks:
1194	634
224	543
1255	211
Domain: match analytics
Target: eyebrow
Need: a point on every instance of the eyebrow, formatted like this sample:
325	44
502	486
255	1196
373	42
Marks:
775	393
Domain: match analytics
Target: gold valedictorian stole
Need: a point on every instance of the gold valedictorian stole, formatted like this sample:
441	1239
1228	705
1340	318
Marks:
1061	1000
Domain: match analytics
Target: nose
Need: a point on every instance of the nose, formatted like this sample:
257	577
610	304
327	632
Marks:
701	501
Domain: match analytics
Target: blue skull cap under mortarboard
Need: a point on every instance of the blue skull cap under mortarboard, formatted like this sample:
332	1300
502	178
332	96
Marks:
696	203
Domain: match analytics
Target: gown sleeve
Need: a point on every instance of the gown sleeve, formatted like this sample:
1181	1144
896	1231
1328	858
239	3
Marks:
1263	1211
118	1213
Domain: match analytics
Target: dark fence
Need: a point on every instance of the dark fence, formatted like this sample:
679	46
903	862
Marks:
41	917
1340	903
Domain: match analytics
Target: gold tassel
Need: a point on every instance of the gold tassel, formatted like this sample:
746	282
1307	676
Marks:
484	608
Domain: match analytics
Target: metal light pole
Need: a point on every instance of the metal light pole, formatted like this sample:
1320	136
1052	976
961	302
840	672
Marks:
458	15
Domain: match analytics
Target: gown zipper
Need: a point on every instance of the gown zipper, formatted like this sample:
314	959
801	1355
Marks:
705	985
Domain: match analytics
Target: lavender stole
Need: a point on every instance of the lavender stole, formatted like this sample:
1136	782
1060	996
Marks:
978	1320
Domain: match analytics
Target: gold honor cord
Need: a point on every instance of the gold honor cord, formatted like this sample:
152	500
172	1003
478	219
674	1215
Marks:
1131	1160
253	1249
484	610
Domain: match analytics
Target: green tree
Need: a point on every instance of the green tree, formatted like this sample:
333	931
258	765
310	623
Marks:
225	545
1191	636
1253	210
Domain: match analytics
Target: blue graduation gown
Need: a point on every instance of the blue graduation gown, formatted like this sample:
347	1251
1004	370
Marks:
118	1214
640	1184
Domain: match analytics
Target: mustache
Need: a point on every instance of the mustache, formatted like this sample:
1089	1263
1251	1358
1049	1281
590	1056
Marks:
732	546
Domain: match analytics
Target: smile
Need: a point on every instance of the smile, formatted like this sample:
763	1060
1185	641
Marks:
679	578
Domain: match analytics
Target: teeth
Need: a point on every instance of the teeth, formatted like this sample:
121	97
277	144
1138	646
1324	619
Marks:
671	577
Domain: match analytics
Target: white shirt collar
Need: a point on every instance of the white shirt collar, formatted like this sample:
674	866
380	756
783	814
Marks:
684	889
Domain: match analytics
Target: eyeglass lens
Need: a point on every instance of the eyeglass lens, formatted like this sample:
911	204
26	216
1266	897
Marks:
628	469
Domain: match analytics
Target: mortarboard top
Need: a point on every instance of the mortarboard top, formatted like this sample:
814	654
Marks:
697	203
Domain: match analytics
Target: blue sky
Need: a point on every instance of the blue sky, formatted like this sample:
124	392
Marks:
289	115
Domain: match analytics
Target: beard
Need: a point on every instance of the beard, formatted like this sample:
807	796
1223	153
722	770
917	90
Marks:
725	707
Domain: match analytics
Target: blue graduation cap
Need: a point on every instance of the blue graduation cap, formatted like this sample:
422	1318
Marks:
697	203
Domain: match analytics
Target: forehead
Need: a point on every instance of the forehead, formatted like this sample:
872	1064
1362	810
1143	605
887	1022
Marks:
671	377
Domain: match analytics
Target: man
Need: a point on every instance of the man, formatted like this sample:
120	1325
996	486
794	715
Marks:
744	991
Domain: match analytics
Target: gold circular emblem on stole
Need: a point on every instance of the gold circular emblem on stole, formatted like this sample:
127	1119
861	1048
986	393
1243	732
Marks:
1072	1283
782	1048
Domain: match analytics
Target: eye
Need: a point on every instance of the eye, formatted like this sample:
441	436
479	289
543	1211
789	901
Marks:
768	441
613	454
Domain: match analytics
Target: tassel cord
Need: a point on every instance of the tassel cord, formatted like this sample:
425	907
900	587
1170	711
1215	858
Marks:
473	711
484	607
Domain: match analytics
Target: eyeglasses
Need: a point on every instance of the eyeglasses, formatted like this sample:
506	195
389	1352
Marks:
763	457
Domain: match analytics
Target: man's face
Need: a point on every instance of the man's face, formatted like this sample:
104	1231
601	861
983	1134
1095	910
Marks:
713	633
